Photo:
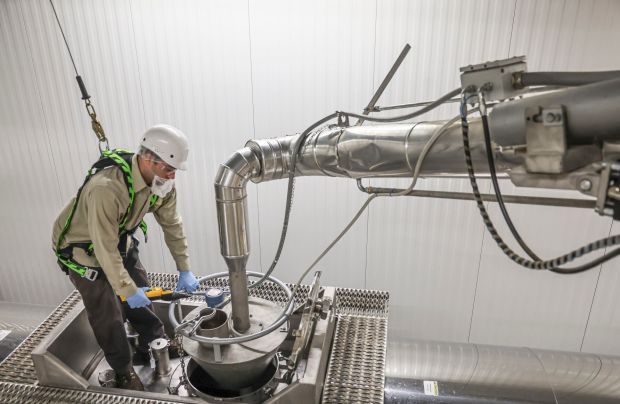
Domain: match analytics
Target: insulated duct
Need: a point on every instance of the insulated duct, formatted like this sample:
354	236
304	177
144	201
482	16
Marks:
351	152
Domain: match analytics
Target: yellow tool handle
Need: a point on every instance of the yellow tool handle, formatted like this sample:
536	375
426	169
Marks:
153	293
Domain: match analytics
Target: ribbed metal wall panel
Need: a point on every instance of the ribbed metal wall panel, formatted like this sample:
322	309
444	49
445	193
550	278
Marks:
30	181
424	251
225	72
309	60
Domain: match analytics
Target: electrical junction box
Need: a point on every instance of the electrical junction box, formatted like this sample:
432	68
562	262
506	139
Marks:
496	76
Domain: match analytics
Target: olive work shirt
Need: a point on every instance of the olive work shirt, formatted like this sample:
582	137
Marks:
103	202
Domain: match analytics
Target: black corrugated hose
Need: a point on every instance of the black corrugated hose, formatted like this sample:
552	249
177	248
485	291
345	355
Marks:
496	189
553	265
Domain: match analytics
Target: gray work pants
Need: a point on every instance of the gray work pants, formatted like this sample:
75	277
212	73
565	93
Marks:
107	314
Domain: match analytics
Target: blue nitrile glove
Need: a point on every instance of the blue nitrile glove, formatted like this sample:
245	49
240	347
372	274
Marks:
138	299
187	282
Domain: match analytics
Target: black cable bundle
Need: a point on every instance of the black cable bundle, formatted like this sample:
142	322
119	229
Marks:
553	265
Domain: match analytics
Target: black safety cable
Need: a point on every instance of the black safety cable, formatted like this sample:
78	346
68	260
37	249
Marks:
553	265
95	124
495	182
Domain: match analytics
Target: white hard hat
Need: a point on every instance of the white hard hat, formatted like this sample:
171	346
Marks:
169	143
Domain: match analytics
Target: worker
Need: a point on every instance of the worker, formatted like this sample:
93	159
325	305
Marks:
94	241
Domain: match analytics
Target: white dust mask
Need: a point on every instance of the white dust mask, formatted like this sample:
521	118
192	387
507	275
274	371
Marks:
161	187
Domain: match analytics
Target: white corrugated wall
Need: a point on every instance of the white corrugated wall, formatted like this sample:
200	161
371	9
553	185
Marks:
225	72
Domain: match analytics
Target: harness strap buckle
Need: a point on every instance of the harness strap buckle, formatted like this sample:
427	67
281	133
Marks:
90	274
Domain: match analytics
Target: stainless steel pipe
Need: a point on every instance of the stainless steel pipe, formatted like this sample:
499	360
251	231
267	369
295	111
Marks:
374	151
231	202
352	152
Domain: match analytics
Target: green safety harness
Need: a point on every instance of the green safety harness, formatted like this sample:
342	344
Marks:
110	158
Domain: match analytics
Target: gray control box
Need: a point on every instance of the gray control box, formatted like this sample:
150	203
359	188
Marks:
496	75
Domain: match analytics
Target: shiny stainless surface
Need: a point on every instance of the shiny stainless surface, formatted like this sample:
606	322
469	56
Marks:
57	359
188	328
485	373
239	364
373	151
231	203
161	356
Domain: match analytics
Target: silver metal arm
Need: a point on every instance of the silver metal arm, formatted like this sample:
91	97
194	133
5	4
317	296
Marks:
555	140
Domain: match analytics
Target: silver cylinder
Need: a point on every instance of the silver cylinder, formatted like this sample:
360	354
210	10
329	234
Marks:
161	356
215	324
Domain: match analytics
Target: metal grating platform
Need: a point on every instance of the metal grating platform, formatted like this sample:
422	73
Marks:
355	373
14	393
362	302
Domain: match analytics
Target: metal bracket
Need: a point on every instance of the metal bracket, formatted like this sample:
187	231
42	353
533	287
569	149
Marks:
308	319
608	201
497	75
547	148
545	135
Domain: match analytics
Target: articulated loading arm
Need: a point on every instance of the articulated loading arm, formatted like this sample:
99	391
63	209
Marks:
562	139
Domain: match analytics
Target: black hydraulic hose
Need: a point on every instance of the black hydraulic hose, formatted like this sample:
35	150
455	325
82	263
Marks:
551	265
589	265
497	190
570	79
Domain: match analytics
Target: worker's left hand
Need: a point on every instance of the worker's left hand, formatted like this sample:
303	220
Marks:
187	282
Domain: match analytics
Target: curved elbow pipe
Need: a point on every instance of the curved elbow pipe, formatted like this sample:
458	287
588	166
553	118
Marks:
230	194
231	202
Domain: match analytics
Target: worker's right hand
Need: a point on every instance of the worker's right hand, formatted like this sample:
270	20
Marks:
138	299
